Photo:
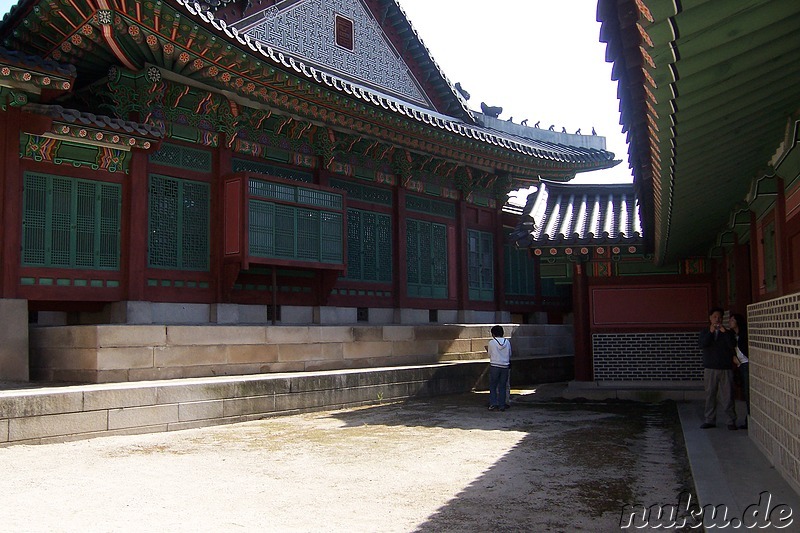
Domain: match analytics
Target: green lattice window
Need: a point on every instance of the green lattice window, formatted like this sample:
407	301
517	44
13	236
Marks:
365	193
430	206
295	194
289	232
369	246
246	165
480	265
178	224
173	155
70	223
520	272
426	259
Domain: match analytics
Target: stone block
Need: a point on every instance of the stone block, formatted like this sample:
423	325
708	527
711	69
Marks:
381	315
291	334
300	352
39	403
367	333
124	358
291	314
14	340
249	406
224	314
115	398
131	312
253	314
447	316
64	357
63	336
261	387
200	410
414	316
398	333
454	346
35	427
150	374
335	315
183	392
428	347
252	353
151	415
166	356
51	318
215	335
357	350
123	335
438	333
180	313
336	334
3	430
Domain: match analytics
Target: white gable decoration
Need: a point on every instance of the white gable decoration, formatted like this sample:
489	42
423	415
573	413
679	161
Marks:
305	29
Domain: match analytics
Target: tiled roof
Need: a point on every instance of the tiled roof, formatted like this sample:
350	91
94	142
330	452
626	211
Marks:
563	214
37	63
80	118
579	156
97	130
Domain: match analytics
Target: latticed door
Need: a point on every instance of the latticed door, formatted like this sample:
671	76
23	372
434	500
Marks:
178	224
480	265
520	272
369	246
426	259
70	223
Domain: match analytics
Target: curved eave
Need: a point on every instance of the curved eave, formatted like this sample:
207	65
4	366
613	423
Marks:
705	90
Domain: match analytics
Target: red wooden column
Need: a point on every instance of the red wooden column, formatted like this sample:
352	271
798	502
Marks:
10	201
581	330
754	250
135	215
782	266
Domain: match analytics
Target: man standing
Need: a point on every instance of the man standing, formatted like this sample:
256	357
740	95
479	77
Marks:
718	343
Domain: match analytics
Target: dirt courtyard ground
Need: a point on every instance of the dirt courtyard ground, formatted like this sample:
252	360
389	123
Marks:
440	464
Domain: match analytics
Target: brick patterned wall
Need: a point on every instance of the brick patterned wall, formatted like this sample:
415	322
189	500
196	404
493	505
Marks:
774	332
647	357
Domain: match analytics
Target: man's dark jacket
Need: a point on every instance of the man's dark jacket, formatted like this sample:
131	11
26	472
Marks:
718	349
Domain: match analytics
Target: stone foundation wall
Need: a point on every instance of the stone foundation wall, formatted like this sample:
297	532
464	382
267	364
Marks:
117	353
56	414
774	336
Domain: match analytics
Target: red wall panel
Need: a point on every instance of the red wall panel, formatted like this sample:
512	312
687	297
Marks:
654	307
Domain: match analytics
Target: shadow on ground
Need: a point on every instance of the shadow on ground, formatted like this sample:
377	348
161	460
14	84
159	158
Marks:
575	467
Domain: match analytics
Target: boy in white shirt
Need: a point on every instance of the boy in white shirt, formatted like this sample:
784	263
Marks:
499	349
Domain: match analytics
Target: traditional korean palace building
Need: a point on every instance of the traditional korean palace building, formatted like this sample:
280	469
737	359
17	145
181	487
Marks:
251	163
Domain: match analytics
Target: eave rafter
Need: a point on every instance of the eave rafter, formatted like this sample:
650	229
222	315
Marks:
182	43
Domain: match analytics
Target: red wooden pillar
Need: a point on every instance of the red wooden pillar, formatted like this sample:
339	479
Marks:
135	215
224	166
782	266
754	251
10	201
581	330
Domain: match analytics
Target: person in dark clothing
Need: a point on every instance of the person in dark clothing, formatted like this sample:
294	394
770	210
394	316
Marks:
738	325
717	343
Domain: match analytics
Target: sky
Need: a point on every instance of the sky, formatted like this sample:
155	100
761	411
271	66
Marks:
539	60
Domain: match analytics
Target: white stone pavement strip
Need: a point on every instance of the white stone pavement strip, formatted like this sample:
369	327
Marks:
443	464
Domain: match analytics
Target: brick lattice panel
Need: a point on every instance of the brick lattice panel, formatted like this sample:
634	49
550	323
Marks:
774	334
647	357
